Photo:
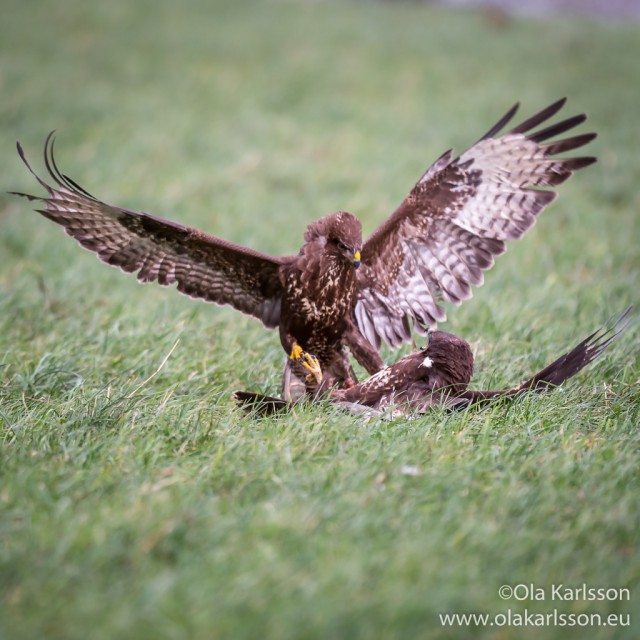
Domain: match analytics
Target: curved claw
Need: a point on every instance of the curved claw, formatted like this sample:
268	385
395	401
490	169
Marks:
311	364
308	361
296	352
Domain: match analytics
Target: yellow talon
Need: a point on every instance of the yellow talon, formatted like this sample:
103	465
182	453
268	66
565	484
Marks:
296	352
311	364
308	361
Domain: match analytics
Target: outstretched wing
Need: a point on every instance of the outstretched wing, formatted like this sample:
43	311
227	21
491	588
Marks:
202	265
561	369
456	219
578	358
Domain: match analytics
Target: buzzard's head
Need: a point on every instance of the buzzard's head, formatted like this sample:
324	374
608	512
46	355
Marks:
341	234
447	356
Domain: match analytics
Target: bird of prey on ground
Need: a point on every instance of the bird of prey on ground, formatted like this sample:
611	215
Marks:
439	374
338	292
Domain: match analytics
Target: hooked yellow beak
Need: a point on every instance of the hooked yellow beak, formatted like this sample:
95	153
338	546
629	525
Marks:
356	259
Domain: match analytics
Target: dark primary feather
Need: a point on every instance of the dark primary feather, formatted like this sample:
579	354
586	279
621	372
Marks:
258	403
202	265
564	367
531	122
579	357
457	218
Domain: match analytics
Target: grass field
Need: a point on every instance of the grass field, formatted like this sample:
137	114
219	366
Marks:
135	505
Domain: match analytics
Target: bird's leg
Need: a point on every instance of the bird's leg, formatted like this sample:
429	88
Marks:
363	351
293	387
308	361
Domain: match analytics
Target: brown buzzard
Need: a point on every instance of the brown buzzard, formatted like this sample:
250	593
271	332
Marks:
439	375
433	247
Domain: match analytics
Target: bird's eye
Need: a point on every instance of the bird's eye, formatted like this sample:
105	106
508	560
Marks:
342	246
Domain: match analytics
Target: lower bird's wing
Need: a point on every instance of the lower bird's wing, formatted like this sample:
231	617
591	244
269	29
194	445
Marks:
561	369
258	404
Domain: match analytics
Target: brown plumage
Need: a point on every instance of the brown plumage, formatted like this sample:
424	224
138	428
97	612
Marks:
439	374
435	246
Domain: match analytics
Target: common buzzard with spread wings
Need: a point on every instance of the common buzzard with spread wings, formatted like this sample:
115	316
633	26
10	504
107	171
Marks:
337	291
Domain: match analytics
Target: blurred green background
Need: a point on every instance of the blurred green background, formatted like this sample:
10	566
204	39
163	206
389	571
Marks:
157	511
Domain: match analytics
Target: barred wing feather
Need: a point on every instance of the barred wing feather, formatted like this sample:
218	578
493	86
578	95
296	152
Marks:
456	219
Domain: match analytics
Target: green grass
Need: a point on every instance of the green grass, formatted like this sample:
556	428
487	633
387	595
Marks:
135	505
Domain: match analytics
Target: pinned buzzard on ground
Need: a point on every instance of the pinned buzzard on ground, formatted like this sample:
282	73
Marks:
337	291
439	375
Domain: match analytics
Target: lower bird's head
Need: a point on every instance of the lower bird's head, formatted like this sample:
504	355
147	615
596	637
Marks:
342	233
447	354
